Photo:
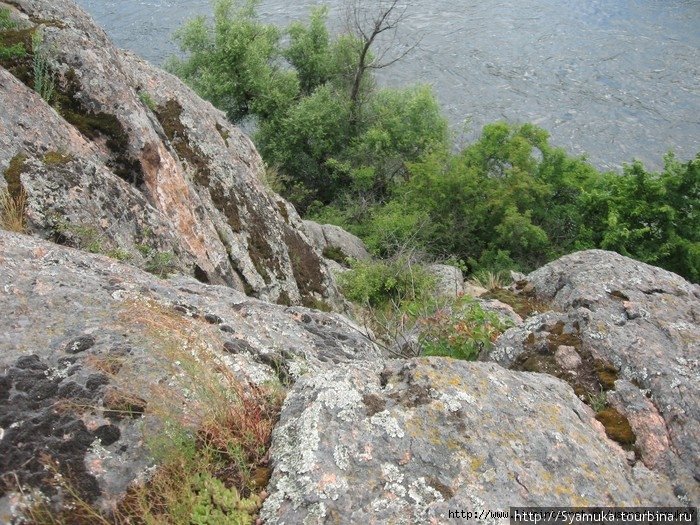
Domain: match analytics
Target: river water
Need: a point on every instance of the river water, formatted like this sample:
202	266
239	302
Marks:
614	79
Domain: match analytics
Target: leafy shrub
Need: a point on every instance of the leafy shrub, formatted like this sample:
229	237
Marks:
460	331
511	201
235	62
327	135
384	283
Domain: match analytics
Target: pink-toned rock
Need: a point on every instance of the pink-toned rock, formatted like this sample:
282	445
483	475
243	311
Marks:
636	328
134	163
567	357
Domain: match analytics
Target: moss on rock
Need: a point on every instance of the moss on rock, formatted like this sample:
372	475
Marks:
617	426
523	304
13	175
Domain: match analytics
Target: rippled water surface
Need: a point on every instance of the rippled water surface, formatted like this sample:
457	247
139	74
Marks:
616	79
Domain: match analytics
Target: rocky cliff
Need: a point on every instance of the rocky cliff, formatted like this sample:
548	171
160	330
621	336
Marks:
124	159
590	399
93	350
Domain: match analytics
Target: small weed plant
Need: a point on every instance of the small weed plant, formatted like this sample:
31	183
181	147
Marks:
489	280
44	77
12	211
148	100
461	330
11	51
158	263
598	402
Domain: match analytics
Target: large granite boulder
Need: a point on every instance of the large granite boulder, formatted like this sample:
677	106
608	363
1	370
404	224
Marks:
81	334
626	336
129	161
335	243
411	441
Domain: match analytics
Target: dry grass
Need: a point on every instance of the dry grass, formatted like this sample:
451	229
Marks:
211	445
489	280
12	211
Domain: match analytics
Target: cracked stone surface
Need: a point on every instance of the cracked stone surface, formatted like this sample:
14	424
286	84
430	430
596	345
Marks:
138	161
88	344
644	322
406	441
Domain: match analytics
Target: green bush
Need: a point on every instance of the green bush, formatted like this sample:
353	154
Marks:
394	282
511	201
378	163
235	62
461	330
325	139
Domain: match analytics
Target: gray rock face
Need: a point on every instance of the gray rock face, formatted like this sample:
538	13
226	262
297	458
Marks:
449	281
86	331
637	330
140	165
408	441
329	238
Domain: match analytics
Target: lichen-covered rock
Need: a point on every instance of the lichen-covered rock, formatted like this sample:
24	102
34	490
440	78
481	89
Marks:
90	348
474	290
408	441
133	163
449	281
636	329
336	243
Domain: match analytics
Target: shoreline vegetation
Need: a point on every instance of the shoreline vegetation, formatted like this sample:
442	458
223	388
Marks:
379	161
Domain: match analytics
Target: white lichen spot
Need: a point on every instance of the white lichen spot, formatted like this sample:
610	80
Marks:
423	495
98	450
307	440
297	368
392	473
340	454
453	401
316	514
339	394
388	423
333	487
58	373
497	382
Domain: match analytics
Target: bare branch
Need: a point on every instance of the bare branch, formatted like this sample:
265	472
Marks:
368	27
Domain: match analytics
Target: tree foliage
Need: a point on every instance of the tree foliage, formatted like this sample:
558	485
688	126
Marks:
234	62
321	122
378	161
512	201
